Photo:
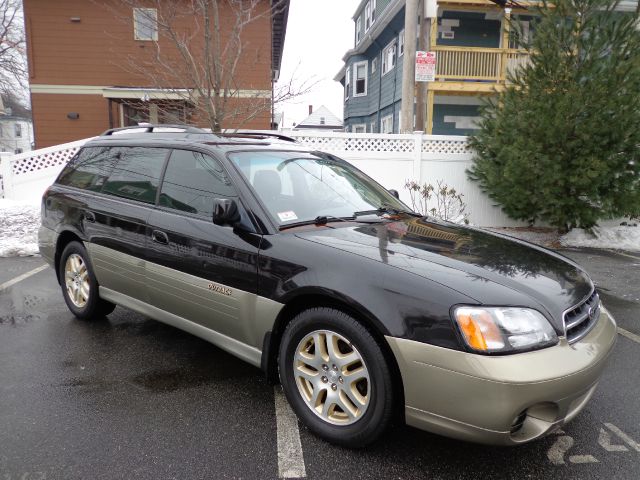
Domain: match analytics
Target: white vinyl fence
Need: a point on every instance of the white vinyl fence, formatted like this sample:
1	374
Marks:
27	175
390	159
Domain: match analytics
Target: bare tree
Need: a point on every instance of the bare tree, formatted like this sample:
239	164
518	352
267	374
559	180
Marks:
203	49
13	67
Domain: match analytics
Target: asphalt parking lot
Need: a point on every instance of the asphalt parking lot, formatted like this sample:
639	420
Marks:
128	397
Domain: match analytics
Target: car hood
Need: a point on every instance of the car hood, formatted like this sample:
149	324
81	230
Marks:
490	268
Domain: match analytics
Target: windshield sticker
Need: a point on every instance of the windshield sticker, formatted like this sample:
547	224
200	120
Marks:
286	216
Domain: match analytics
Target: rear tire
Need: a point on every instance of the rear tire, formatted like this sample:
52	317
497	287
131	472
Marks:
335	376
79	284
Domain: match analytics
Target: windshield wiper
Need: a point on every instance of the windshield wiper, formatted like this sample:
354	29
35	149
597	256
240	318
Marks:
384	208
319	220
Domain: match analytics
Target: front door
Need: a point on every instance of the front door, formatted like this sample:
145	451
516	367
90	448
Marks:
200	271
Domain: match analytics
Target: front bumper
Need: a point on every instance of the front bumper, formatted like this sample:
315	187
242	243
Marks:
502	400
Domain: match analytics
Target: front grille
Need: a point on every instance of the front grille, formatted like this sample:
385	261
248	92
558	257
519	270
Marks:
579	320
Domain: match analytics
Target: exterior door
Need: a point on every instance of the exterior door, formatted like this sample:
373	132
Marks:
195	269
115	221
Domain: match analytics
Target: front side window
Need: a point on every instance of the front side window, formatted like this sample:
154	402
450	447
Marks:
360	71
360	128
358	30
389	57
145	24
296	186
136	173
89	169
401	43
192	181
18	130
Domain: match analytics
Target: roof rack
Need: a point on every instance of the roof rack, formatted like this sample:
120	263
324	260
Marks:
258	134
149	128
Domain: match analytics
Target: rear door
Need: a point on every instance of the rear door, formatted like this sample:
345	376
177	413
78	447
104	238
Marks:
116	219
200	271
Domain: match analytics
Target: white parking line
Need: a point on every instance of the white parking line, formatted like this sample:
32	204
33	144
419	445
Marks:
290	459
629	335
19	278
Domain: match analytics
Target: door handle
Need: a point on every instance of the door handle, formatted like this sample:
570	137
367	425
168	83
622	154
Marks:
90	217
159	237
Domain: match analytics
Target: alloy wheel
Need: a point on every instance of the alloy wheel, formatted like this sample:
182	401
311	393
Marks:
76	278
332	377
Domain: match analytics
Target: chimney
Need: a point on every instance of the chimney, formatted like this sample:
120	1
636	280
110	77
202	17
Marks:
310	109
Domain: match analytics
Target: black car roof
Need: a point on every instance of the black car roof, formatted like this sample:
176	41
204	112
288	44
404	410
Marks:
186	135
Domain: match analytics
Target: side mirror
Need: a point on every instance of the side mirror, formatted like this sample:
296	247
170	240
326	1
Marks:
394	193
225	211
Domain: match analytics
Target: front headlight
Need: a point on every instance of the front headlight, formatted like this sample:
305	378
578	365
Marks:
504	329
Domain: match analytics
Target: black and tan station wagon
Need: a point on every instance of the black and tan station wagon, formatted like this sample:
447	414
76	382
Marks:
298	263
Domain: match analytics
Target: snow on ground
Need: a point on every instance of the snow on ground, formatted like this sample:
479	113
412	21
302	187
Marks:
19	223
608	237
618	237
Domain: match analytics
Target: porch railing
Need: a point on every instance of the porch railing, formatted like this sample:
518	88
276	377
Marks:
473	63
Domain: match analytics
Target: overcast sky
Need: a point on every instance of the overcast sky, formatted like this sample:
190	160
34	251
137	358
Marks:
319	32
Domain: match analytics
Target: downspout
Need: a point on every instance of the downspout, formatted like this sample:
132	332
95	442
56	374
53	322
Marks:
379	57
395	83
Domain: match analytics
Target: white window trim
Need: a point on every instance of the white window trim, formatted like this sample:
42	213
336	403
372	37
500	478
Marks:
374	65
386	119
384	57
347	84
145	12
369	14
358	30
355	78
401	43
355	127
367	17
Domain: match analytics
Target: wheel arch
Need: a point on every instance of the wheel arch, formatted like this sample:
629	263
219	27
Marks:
64	238
313	299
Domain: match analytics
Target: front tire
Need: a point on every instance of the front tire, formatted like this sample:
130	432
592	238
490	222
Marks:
79	284
335	376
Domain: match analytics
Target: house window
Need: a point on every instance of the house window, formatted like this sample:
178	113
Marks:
520	35
401	43
17	151
145	23
372	127
347	84
360	74
374	65
18	130
360	128
386	124
322	121
389	57
358	30
369	14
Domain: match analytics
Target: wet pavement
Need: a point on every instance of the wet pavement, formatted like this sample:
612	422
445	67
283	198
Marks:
128	397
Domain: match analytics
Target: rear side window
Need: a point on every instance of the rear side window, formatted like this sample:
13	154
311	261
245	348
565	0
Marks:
89	169
136	174
192	181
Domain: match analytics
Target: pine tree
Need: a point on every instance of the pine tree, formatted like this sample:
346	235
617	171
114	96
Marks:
561	144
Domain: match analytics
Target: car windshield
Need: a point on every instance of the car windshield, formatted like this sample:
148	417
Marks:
298	187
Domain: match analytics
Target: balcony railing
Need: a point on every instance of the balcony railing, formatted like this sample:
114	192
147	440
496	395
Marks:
481	64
